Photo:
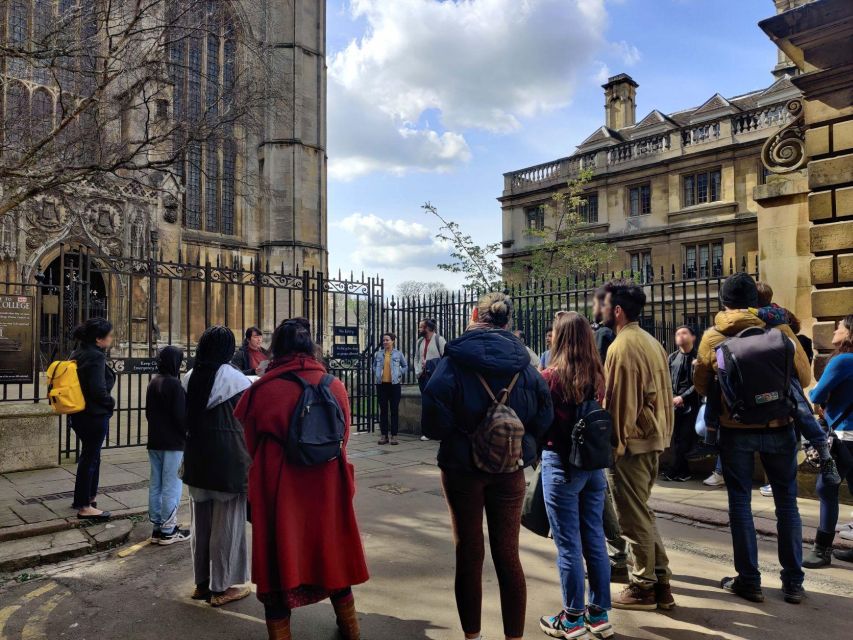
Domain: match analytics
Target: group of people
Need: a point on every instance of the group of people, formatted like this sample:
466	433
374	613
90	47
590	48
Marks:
226	430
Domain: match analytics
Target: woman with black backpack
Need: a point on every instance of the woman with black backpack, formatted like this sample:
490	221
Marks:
489	407
574	496
306	545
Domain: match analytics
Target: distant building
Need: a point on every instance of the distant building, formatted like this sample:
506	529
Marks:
669	189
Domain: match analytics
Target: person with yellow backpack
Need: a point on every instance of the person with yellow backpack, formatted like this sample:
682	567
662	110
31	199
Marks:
92	423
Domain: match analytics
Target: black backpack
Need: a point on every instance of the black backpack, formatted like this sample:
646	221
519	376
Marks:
591	447
429	368
754	373
316	433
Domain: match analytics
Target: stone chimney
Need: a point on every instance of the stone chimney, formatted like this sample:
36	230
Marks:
784	65
620	101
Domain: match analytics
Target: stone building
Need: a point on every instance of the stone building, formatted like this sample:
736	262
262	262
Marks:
666	189
251	197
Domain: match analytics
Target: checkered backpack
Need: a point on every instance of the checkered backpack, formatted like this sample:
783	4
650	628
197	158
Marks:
496	442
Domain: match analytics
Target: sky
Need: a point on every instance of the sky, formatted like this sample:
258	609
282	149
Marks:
434	100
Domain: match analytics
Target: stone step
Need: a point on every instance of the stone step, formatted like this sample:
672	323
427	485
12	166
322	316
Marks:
49	548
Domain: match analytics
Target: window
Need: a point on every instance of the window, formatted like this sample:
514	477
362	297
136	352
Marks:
641	265
535	218
640	200
703	260
763	173
202	65
588	208
702	187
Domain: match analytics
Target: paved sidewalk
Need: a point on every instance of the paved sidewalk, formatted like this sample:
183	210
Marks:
37	502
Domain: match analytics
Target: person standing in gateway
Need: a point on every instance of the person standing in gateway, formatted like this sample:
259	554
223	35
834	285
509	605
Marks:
428	351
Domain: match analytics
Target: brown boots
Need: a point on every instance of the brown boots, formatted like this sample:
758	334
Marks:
279	629
347	619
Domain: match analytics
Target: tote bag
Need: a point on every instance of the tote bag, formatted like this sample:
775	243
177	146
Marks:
534	517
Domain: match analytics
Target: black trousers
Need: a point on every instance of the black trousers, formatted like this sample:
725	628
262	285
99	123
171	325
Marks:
91	431
389	407
683	441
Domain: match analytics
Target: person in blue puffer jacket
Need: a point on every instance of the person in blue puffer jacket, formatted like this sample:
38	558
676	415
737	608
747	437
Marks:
455	402
389	368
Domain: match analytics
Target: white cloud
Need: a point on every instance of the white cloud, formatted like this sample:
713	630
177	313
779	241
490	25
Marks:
380	243
628	53
475	64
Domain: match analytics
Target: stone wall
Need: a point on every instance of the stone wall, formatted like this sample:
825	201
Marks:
28	433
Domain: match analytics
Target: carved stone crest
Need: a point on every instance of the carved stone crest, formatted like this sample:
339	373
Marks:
36	238
104	218
48	212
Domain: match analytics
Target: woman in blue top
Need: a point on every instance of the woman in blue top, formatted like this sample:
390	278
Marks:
834	392
389	368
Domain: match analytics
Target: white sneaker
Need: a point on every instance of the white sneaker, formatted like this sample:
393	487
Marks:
424	439
845	527
714	480
766	490
847	534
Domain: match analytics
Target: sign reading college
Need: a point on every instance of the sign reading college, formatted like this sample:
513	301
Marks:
16	339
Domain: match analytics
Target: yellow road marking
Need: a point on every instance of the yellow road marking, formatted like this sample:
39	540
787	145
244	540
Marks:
35	593
129	551
35	627
5	614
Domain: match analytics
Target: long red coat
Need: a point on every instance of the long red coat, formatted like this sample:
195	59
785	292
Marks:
304	530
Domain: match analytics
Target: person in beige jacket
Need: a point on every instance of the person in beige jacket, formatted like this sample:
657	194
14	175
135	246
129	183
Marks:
638	394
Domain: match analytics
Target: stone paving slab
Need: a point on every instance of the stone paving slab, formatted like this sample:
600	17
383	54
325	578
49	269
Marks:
130	499
32	513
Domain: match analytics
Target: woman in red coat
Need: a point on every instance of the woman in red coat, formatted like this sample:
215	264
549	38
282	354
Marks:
305	541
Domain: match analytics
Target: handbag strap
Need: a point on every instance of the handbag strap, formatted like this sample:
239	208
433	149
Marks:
504	393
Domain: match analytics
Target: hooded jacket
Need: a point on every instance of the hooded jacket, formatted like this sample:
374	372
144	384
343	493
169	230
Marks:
454	401
166	403
216	457
96	380
727	323
638	392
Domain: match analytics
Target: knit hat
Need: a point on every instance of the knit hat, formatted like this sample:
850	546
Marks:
739	292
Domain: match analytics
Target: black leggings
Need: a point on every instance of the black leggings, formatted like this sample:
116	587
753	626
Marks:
280	612
468	494
389	407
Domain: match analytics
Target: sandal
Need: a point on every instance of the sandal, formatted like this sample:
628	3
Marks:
232	594
202	592
104	516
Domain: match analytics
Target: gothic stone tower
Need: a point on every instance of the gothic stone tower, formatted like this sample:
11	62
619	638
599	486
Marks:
292	151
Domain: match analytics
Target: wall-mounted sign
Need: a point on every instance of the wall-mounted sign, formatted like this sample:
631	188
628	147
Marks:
346	332
16	339
345	351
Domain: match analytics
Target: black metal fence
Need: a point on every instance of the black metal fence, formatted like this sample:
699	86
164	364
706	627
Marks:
152	303
672	299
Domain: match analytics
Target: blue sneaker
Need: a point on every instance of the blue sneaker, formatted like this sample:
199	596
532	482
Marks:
598	623
563	625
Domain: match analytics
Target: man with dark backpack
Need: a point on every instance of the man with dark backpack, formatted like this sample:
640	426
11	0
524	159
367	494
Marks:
753	366
428	351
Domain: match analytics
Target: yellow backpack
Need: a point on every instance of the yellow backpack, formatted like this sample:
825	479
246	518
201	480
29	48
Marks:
63	387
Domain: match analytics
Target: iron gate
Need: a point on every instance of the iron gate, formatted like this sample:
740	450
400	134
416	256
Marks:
153	303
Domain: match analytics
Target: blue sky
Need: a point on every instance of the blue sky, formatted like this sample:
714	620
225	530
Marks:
435	100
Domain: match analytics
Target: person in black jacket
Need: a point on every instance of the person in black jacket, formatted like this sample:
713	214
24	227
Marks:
251	358
454	403
165	410
92	424
685	402
216	470
604	335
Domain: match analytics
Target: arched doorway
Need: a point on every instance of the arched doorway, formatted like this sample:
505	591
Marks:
73	289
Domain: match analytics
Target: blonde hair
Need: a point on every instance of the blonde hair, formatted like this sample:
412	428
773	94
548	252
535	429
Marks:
495	309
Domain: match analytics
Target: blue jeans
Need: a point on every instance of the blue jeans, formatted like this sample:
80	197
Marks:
574	499
91	432
165	488
778	451
828	493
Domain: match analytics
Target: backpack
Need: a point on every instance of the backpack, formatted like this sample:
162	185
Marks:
592	437
316	433
754	371
496	443
63	388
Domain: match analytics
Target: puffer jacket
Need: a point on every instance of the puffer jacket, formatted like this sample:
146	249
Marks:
455	402
727	323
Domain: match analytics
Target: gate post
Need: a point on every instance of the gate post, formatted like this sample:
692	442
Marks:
320	303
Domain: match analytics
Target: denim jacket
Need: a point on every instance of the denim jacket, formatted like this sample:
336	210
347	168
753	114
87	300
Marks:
399	366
